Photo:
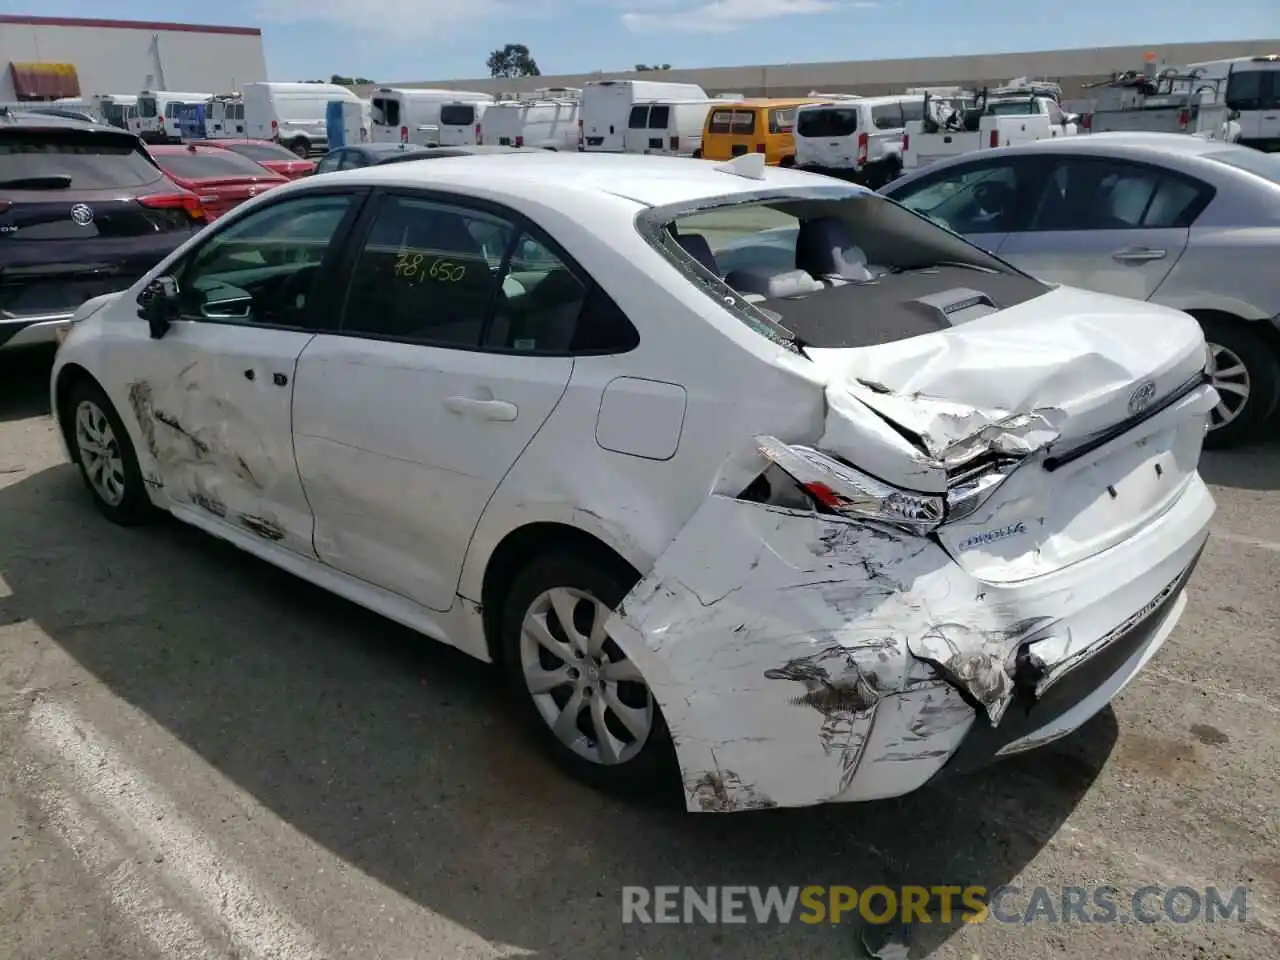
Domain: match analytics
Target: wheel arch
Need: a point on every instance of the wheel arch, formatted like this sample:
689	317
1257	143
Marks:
67	377
520	547
1260	325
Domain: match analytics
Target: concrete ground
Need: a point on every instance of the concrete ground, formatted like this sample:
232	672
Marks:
204	757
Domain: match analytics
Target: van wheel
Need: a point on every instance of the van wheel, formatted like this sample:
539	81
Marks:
1246	374
572	684
300	147
697	154
787	162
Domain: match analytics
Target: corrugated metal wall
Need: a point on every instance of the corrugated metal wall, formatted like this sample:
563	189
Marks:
1070	68
114	60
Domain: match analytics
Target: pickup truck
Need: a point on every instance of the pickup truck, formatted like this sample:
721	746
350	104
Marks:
953	126
1173	102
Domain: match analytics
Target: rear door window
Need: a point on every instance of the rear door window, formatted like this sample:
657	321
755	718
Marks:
1253	90
457	115
887	116
80	160
1092	194
822	122
386	112
782	120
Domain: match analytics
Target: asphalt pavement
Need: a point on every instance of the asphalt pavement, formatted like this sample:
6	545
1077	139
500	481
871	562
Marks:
204	757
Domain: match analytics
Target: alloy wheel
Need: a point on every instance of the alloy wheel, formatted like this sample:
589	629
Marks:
99	452
591	696
1230	377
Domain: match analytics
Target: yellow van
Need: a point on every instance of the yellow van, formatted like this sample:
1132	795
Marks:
753	126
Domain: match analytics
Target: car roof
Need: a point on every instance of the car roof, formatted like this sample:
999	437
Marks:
11	119
228	141
540	174
173	149
1141	140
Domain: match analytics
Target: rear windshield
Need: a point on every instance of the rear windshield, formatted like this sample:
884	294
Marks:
199	166
93	161
146	106
833	266
457	115
1011	108
1265	165
261	151
732	121
827	122
386	112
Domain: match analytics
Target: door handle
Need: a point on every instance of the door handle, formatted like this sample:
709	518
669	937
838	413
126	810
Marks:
1138	255
498	410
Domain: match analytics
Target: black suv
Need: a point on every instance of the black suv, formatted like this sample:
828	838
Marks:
84	211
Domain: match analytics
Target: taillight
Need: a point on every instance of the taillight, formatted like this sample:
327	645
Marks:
404	134
479	133
906	142
863	147
838	488
995	139
760	148
675	144
275	130
582	143
519	141
1184	118
175	201
5	205
1086	122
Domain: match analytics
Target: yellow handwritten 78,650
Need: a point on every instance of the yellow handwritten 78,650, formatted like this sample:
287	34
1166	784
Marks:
409	266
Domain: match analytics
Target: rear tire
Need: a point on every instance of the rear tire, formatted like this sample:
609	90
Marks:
581	677
1247	377
101	448
301	148
697	154
787	162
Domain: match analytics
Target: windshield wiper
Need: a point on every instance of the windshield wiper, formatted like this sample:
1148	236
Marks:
56	182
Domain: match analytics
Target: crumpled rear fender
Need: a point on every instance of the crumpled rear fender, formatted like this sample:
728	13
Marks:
778	644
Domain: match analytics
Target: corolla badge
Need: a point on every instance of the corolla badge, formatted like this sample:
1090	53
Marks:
1141	398
82	214
992	536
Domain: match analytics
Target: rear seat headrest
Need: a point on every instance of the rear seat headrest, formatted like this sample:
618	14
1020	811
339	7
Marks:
825	248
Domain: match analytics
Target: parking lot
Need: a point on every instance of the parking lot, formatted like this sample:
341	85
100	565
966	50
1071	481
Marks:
205	757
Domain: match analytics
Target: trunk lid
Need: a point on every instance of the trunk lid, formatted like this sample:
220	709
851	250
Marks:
1094	406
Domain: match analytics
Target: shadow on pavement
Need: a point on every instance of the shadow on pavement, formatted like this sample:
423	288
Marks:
396	753
1245	468
24	383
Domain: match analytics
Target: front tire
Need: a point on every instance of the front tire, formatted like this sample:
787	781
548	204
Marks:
101	448
589	705
1246	374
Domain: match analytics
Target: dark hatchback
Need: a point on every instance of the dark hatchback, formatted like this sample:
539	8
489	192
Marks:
83	211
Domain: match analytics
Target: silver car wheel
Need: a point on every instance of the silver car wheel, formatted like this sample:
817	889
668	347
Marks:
1230	377
99	453
591	696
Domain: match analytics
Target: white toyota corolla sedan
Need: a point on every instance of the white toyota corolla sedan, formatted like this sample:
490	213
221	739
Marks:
818	528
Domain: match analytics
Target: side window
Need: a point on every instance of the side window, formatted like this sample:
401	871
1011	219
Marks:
659	116
267	267
1245	90
887	116
329	162
170	110
912	110
782	121
428	273
983	198
1091	194
1055	113
639	119
351	159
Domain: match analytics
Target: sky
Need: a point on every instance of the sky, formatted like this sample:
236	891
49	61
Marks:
406	40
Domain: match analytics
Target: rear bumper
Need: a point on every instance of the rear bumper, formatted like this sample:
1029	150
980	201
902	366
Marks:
792	653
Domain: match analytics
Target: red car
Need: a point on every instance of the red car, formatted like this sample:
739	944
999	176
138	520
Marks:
220	178
270	155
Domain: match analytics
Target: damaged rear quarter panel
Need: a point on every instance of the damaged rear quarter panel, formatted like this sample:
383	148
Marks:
777	644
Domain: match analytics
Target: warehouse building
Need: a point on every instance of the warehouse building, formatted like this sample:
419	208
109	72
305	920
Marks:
1070	68
46	58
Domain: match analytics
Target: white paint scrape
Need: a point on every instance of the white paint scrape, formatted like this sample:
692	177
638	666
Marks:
188	863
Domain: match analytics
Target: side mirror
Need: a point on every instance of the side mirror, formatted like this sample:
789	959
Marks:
158	305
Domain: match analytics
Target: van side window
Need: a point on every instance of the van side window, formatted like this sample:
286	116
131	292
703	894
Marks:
639	119
659	116
782	121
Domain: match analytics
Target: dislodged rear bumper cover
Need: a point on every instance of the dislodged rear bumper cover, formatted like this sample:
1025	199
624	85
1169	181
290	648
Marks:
800	658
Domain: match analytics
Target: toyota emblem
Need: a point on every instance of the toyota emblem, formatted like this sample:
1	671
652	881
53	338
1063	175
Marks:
82	214
1141	398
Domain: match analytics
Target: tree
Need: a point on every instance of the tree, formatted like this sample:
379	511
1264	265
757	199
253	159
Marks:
647	68
342	81
513	60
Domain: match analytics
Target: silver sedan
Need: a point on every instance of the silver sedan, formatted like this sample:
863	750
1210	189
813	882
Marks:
1189	223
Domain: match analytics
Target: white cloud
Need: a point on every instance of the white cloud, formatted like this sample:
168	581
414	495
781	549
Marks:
724	16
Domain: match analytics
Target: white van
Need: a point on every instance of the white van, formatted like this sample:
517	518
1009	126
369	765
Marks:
606	108
549	124
409	115
157	120
671	128
224	119
115	109
1253	92
292	114
858	138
